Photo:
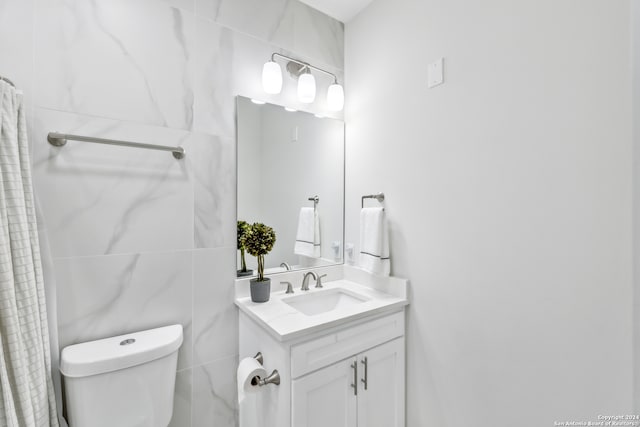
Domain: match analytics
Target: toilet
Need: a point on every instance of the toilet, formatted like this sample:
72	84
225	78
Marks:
124	381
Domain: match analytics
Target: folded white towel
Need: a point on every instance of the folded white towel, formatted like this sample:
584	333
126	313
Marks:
374	242
308	236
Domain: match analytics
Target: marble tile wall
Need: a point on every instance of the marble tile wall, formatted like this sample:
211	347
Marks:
139	239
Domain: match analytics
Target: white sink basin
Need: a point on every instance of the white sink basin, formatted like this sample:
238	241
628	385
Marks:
318	302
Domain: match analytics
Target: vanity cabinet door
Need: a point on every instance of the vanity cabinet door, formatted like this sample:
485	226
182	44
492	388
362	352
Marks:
381	404
326	398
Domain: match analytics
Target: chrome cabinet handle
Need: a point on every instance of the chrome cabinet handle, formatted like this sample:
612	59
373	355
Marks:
354	365
365	380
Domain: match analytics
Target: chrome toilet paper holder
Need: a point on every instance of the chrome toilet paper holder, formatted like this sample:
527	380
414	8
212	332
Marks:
274	378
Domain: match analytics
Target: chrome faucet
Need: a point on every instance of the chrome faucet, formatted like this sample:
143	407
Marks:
305	280
286	266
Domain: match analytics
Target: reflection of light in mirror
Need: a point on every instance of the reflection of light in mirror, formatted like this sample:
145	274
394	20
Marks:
320	116
291	110
257	101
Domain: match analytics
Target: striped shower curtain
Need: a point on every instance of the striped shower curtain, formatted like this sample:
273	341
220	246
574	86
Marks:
26	390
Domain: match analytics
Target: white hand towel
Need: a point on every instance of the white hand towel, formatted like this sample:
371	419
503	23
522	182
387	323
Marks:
308	236
374	242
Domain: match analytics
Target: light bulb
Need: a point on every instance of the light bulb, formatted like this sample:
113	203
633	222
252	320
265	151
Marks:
306	88
335	97
272	78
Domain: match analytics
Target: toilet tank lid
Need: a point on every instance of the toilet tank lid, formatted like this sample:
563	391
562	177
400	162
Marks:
123	351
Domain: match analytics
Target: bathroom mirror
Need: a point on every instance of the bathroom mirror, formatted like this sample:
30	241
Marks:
286	158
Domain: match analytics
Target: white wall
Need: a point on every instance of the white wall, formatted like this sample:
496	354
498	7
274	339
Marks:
509	196
249	136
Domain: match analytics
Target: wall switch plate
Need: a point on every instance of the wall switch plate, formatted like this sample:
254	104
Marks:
435	73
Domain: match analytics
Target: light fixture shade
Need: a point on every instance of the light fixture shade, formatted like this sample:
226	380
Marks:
272	78
335	97
306	88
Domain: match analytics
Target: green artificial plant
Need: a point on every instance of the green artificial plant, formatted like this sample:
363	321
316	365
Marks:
258	240
243	226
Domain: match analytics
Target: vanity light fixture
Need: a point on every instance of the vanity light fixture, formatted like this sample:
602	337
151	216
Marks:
335	97
272	77
307	88
272	81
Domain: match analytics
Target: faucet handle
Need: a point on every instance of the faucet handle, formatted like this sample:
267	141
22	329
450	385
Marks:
319	281
289	287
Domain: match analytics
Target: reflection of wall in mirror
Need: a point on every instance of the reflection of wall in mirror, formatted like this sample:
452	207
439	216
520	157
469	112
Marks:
279	173
249	168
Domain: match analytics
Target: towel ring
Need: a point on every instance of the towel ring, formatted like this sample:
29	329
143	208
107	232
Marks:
315	200
379	197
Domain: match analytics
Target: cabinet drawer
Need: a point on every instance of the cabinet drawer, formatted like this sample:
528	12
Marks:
324	351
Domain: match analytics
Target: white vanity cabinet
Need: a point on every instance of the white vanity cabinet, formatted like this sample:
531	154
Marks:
352	375
365	391
325	397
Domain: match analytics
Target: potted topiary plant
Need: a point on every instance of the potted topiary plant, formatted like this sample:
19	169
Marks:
243	226
258	240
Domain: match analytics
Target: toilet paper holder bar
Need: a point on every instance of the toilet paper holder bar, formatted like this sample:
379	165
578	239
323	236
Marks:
274	378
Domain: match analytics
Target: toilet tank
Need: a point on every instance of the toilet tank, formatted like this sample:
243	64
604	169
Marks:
124	381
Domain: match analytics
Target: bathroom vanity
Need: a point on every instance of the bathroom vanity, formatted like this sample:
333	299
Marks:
339	349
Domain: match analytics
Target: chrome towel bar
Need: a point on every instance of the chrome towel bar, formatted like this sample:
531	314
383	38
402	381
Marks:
60	139
5	79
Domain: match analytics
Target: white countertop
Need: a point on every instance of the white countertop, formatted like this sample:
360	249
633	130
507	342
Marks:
285	322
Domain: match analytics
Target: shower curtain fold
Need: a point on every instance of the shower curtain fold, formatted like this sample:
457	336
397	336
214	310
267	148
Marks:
27	396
